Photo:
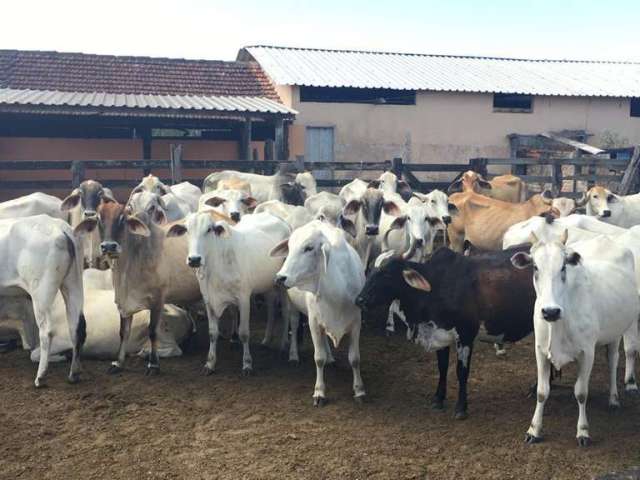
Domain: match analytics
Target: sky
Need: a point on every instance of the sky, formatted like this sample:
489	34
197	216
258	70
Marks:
216	29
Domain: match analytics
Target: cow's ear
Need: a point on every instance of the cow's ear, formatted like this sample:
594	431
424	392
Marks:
88	225
390	208
398	223
521	260
159	216
352	207
415	280
547	194
455	187
214	201
250	202
164	189
484	184
582	201
573	258
177	230
137	226
374	184
613	198
347	225
281	249
71	201
453	210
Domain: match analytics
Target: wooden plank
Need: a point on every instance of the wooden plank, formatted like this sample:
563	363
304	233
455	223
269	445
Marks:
594	178
537	178
34	165
436	167
573	143
630	176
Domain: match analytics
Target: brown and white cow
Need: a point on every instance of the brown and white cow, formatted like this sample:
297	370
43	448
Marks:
483	221
623	211
507	188
148	270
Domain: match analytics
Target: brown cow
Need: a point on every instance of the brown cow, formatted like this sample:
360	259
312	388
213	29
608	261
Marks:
507	188
483	221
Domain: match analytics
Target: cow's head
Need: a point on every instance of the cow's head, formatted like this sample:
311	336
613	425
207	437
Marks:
292	193
308	183
564	206
438	202
152	184
387	182
149	203
600	202
384	283
308	250
371	205
89	195
553	272
114	223
233	203
420	223
469	181
203	228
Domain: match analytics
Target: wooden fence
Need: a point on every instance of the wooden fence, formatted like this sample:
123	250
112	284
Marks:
586	169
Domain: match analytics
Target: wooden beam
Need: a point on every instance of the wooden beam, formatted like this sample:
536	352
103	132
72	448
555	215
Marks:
279	141
146	149
630	177
244	145
176	163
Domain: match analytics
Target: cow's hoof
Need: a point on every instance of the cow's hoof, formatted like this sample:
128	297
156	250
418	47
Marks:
359	399
294	362
319	401
501	353
113	369
40	383
631	390
206	371
437	404
462	415
584	441
614	406
74	378
531	439
247	372
388	333
152	370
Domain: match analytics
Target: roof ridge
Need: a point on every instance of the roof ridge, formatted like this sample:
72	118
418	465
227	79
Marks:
119	57
473	57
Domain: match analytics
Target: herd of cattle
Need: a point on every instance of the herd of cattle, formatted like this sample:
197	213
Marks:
111	279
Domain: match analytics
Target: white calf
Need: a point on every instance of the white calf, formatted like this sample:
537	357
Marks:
328	270
581	303
623	211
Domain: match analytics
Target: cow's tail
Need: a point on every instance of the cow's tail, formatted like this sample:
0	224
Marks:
73	253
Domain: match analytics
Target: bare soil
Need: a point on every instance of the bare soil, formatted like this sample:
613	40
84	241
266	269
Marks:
184	425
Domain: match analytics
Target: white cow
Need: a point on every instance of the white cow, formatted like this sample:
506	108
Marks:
233	263
586	295
321	264
281	186
308	183
623	211
39	258
37	203
229	201
325	205
150	203
294	215
187	193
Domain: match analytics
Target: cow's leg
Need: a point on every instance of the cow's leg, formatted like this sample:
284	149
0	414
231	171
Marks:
534	434
270	299
500	350
43	320
77	328
630	352
153	364
354	361
244	334
581	391
437	402
327	347
613	355
463	367
214	332
125	331
320	356
391	322
292	322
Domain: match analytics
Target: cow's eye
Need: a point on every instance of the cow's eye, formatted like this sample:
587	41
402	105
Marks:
610	198
595	196
535	268
433	201
564	268
210	229
308	248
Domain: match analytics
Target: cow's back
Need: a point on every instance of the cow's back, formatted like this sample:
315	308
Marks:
36	203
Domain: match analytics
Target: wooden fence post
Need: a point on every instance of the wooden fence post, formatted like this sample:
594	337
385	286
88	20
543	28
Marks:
556	173
300	163
77	173
630	177
397	167
176	163
479	165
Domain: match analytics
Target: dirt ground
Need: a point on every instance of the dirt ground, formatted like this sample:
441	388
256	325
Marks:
183	425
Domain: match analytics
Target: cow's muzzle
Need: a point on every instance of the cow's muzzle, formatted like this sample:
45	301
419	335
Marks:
551	314
89	213
235	216
110	248
446	219
194	261
371	230
281	280
606	213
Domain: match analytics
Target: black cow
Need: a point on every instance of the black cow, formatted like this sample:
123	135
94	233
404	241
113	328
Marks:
446	299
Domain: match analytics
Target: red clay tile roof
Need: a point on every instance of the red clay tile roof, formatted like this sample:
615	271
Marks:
78	72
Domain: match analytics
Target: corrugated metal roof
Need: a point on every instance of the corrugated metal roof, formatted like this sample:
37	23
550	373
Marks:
52	98
345	68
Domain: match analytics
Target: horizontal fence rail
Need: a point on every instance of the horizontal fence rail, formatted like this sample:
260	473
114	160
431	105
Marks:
586	169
